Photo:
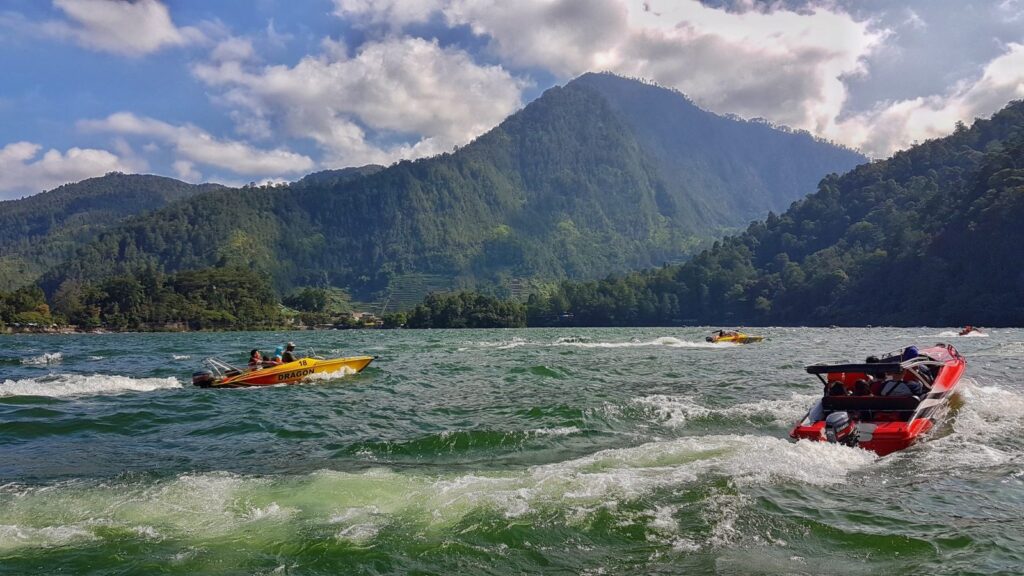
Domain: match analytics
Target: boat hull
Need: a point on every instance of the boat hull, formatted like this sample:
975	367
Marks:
741	339
293	372
881	428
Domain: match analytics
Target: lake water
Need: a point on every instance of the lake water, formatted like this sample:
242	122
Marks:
605	451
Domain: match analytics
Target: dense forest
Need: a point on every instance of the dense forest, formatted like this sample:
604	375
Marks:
466	310
931	236
41	231
602	175
25	306
210	298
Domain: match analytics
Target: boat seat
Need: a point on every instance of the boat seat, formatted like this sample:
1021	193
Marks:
877	403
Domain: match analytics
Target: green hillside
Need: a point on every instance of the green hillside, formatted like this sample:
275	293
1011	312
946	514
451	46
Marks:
43	230
931	236
603	175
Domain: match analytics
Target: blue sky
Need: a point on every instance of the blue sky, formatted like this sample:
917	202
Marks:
237	91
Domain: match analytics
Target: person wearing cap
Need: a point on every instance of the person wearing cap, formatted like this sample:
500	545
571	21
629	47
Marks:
289	353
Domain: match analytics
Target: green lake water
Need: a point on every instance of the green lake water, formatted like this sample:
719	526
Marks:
562	451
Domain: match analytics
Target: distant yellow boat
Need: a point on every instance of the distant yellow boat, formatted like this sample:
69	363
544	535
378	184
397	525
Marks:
733	337
224	375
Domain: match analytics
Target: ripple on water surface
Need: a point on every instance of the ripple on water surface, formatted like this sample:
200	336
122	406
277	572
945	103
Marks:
579	451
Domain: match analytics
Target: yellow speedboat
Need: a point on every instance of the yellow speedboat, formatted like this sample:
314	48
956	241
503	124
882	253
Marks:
733	336
223	375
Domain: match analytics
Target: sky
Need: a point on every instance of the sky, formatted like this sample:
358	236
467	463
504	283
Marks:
238	91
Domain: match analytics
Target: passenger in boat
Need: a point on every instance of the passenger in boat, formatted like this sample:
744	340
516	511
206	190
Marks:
836	388
274	359
289	353
255	360
861	388
902	388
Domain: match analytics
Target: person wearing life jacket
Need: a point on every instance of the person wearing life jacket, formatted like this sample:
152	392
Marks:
255	360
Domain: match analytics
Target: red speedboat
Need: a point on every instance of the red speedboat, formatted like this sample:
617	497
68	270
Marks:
885	404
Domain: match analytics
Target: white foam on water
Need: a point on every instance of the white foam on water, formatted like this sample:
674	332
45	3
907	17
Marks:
722	513
984	428
325	376
360	524
95	358
955	334
662	519
148	532
358	506
272	510
63	385
44	359
181	356
559	431
665	341
515	342
13	537
675	411
626	474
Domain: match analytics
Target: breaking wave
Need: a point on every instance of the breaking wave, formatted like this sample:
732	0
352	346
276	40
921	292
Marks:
61	385
357	506
676	411
44	359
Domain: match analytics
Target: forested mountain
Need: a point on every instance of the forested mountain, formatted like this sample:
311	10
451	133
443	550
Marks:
605	174
932	236
40	231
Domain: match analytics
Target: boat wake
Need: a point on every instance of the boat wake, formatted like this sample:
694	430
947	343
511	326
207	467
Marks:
667	341
63	385
358	507
499	345
326	376
955	334
676	411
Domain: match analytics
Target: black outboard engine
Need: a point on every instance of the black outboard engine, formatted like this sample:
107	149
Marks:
202	378
709	339
840	429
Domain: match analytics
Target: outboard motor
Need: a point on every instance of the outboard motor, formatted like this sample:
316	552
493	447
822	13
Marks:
709	339
840	429
202	378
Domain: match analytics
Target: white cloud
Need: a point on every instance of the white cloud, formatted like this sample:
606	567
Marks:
394	14
399	89
23	172
197	146
233	49
126	28
186	171
892	126
785	65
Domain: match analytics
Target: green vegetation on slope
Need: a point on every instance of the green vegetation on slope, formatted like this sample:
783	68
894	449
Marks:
41	231
212	298
569	187
931	236
466	310
25	306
